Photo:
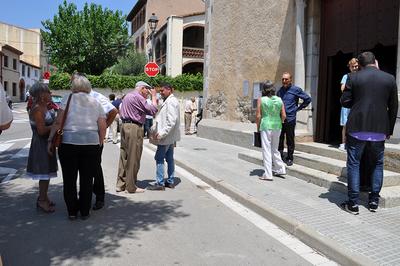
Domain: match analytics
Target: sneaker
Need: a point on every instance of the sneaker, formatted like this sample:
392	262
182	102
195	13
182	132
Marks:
372	206
168	185
267	178
342	147
156	187
353	209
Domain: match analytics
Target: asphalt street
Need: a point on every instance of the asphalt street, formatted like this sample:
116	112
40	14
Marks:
189	225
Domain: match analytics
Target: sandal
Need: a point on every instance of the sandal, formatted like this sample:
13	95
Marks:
46	208
266	178
51	203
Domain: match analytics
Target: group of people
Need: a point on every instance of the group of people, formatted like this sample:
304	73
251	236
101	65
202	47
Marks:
83	118
368	117
276	120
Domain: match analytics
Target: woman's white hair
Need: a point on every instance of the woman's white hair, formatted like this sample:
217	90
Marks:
80	83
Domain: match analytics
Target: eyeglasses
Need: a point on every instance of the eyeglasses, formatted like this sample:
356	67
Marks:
283	79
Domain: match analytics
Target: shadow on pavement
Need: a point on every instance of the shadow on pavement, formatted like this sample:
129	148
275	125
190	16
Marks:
31	237
257	172
145	183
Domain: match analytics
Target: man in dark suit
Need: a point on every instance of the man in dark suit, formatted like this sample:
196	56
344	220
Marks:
372	96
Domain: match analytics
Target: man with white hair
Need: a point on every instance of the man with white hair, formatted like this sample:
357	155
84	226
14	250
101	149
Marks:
133	113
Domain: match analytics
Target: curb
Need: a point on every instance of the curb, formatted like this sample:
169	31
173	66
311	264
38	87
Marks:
327	246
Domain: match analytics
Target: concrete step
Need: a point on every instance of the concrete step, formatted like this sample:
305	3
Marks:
338	167
390	196
392	153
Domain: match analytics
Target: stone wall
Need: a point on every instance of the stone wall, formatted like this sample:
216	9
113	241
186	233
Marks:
253	41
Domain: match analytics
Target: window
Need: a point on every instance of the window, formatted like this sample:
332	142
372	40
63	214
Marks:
41	45
29	72
137	44
36	73
23	70
5	61
5	85
15	64
14	89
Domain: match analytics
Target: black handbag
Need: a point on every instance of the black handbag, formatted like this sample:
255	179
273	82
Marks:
257	139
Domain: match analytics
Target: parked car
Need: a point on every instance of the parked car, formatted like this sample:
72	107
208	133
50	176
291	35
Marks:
56	100
9	101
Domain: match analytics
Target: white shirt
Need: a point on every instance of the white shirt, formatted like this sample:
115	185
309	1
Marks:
103	100
5	112
80	126
188	106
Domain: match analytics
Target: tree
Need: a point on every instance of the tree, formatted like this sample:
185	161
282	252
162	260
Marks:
131	64
88	41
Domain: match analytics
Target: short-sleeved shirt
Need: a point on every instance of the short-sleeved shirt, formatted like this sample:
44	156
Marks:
81	126
135	107
271	113
103	100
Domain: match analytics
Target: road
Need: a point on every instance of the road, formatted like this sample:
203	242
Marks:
190	225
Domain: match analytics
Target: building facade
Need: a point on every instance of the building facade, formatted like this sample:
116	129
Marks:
143	9
179	45
10	71
30	74
250	41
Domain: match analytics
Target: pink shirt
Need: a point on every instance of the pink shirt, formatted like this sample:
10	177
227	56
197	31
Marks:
135	107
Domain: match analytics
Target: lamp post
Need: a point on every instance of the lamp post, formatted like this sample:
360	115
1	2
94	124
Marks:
153	21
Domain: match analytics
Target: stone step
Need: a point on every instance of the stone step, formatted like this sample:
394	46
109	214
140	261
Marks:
390	196
392	153
338	167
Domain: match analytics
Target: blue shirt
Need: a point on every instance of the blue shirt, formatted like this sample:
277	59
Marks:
116	103
290	97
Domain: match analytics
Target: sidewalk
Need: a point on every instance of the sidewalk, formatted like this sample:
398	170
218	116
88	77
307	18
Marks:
305	210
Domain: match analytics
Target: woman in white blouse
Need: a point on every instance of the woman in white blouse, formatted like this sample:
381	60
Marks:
84	132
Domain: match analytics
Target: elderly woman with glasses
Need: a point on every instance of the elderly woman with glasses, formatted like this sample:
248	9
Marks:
84	131
41	166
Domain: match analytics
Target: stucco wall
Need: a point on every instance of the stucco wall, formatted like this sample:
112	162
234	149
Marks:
242	49
25	40
11	75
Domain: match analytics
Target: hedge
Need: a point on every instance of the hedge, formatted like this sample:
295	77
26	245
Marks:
185	82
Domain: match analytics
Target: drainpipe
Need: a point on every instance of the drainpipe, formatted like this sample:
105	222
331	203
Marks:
299	71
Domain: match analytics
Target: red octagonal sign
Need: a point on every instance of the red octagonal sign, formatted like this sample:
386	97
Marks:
151	69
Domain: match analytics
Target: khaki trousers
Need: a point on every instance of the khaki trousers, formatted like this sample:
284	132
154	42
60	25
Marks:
129	157
188	122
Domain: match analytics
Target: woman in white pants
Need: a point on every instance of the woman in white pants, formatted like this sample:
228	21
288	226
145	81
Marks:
269	118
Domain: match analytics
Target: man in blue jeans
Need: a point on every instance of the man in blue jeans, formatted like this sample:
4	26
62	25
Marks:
168	133
372	96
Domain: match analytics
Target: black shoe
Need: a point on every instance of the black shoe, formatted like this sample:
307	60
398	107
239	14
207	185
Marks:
85	217
289	162
168	185
98	205
156	187
353	209
72	217
373	206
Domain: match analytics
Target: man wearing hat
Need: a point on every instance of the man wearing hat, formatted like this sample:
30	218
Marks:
133	113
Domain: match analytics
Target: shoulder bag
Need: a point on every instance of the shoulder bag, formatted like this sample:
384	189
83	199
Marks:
57	138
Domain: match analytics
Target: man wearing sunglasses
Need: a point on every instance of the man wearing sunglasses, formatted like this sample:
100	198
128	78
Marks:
290	95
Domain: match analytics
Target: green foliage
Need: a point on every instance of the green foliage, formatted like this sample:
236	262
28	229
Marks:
185	82
89	40
131	64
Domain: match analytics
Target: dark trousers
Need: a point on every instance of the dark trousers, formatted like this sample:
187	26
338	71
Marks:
85	160
98	183
147	125
288	131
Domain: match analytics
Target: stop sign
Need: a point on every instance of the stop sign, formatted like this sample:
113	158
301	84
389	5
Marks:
151	69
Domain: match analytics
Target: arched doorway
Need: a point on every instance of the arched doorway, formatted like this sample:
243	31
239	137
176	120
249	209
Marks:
349	27
193	68
22	91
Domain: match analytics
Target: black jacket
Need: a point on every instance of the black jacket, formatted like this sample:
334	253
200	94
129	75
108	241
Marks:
372	96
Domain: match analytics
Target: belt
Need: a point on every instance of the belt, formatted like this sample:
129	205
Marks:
130	121
188	113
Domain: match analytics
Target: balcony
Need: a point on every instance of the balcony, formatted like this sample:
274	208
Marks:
193	52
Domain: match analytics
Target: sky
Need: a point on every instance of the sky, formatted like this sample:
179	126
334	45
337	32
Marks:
29	13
